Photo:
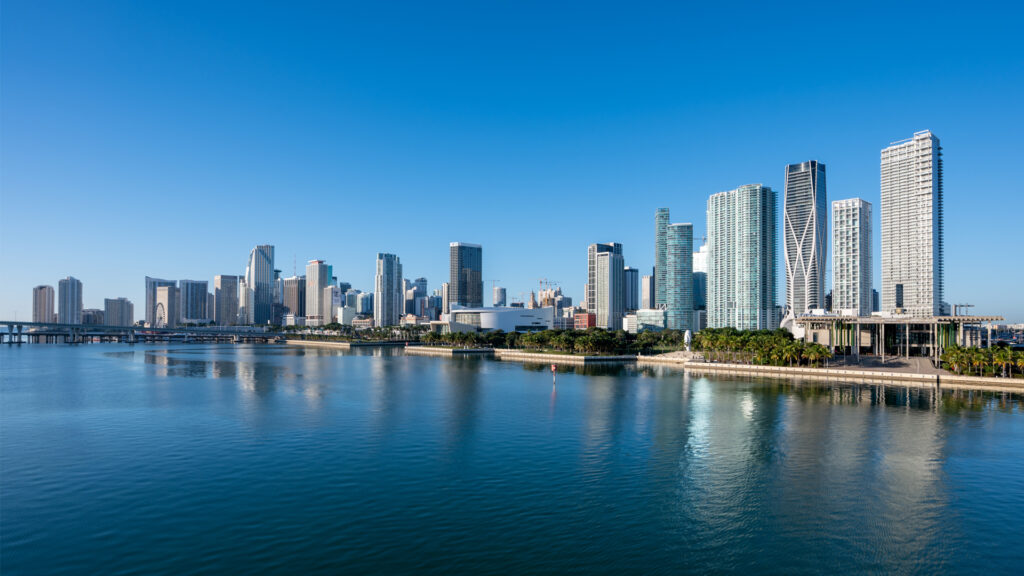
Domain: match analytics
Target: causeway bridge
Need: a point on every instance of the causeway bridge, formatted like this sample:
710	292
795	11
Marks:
20	332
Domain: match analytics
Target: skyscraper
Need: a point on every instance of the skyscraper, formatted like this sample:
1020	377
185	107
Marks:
316	280
166	314
647	291
69	301
805	225
606	284
42	304
465	283
632	279
742	258
661	218
912	222
295	296
225	300
700	278
499	296
118	312
259	277
151	285
193	301
851	257
679	276
388	297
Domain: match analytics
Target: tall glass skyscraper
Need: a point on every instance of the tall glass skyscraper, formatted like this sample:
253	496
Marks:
465	274
389	293
805	225
679	276
193	301
912	222
259	278
742	259
661	218
632	276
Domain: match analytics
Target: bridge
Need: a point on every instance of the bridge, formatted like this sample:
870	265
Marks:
19	332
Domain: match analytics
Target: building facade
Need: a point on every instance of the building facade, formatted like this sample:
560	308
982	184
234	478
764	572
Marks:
42	304
679	276
646	291
912	227
69	301
805	225
742	235
118	312
661	219
294	296
465	275
317	278
606	284
166	314
499	296
193	301
632	279
225	300
151	285
851	257
388	297
259	277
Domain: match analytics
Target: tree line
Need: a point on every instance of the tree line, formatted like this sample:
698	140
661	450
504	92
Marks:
590	341
762	347
998	360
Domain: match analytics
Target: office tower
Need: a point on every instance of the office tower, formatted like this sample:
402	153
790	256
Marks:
294	296
364	303
591	289
606	289
465	271
69	301
661	218
647	292
742	259
632	279
92	316
42	304
912	245
415	290
166	315
259	277
193	301
679	276
330	302
118	312
387	288
225	300
700	279
498	298
246	297
851	257
317	279
805	225
151	285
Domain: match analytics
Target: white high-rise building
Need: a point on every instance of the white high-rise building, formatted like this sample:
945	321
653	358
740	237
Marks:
259	277
606	286
851	257
69	303
498	298
151	285
317	278
389	296
118	312
42	304
912	250
805	226
742	234
166	313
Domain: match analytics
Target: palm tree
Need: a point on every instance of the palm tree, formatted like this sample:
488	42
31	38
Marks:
1003	356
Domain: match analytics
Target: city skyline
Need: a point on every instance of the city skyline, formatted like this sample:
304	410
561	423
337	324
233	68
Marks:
524	133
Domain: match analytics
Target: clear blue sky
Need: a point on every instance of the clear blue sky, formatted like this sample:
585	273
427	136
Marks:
168	138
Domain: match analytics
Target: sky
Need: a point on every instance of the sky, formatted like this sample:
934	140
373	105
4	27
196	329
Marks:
169	138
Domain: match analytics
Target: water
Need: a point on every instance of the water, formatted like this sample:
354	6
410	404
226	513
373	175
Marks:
260	459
